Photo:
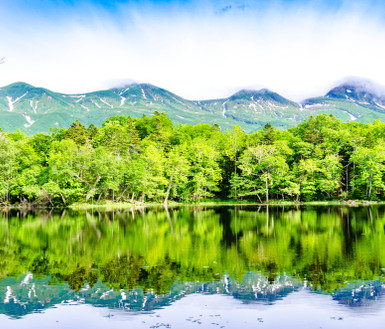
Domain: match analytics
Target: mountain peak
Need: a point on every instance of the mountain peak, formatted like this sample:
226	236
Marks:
358	88
17	89
20	84
252	92
132	84
263	95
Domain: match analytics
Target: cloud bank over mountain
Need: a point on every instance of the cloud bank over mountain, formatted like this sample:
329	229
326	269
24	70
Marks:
198	49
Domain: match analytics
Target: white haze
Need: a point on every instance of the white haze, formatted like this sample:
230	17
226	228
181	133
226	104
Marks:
299	53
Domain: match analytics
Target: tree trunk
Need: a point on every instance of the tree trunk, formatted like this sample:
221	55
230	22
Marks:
169	218
62	198
168	189
49	197
260	201
267	191
93	188
121	195
354	177
347	179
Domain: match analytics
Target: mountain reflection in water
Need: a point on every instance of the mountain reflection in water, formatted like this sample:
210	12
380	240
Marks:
142	260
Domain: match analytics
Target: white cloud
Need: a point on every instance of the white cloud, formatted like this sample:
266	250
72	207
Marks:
298	53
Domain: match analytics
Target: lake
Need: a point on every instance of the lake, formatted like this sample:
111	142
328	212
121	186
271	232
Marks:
193	267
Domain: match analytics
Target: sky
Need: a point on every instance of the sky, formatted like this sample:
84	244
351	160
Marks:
196	49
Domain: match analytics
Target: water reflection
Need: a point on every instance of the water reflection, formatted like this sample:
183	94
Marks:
146	259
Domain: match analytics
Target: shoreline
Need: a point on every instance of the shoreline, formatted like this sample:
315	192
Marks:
127	205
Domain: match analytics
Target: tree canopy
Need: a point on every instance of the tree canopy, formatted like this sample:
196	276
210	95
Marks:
150	159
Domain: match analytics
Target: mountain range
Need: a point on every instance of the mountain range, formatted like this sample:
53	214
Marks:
34	109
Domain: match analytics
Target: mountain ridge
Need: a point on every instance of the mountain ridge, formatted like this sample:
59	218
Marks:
37	109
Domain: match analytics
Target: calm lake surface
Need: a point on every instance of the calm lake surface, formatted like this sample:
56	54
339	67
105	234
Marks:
194	267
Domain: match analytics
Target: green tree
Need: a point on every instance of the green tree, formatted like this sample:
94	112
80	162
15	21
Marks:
78	133
371	169
177	168
8	166
120	137
262	165
235	144
205	171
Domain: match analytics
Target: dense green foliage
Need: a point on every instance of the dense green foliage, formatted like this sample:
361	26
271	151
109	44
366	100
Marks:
149	159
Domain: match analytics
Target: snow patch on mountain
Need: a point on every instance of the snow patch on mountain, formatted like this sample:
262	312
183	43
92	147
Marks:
105	102
351	116
122	100
310	106
80	98
143	93
96	104
33	106
380	105
85	107
11	103
123	91
29	120
224	109
253	106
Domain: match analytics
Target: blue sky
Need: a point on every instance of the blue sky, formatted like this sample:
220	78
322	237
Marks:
197	49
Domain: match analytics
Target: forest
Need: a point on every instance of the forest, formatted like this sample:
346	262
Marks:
150	160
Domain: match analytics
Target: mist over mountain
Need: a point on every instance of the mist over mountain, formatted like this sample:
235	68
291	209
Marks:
34	109
361	91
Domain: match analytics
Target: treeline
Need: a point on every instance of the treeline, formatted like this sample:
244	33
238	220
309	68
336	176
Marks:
149	159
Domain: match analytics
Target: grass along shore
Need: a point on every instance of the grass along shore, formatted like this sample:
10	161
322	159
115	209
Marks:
110	205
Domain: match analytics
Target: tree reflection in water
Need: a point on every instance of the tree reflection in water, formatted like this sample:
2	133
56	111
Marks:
147	258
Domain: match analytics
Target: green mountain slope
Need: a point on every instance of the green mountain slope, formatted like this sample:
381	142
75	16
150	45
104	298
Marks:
34	110
356	100
256	108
